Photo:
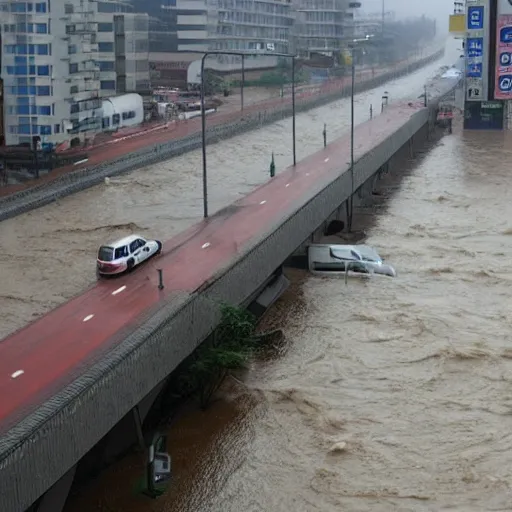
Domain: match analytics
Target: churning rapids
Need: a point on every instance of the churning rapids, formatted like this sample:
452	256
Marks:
392	394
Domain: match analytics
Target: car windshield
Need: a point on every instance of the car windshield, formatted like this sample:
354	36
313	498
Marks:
106	253
343	254
368	254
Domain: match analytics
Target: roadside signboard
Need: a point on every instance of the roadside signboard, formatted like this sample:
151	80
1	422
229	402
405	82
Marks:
477	50
484	115
503	71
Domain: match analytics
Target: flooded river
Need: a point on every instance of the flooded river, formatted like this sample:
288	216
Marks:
413	374
48	255
409	377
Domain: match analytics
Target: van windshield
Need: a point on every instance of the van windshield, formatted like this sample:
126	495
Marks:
106	253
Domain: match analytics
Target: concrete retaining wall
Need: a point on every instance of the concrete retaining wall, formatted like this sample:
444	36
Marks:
39	450
81	179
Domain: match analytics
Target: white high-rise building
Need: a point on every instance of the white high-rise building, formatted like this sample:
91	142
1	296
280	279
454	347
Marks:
59	58
51	79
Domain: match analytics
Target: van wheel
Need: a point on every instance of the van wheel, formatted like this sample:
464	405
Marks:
159	250
130	264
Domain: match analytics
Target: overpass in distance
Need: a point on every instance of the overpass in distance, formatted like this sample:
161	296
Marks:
69	378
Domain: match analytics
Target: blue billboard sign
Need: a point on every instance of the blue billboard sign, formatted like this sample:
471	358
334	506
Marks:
505	83
476	17
475	47
474	70
506	59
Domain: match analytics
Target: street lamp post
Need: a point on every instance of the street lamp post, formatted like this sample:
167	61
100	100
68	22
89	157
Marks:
242	85
352	127
350	202
203	113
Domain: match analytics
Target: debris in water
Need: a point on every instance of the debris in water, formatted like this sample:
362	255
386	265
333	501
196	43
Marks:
340	446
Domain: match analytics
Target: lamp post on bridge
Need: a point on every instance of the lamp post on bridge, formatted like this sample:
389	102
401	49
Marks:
354	45
203	113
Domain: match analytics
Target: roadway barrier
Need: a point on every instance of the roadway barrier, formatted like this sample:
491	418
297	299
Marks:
78	180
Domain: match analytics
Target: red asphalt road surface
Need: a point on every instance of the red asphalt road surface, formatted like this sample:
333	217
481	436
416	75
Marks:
41	359
180	129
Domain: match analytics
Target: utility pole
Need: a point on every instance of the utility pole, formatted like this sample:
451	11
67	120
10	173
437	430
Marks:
383	16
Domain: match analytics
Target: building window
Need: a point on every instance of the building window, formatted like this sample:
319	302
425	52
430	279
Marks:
41	28
105	27
56	129
106	47
43	70
18	7
43	90
42	49
72	49
44	110
69	8
73	68
74	108
108	84
41	7
106	65
23	110
24	129
45	129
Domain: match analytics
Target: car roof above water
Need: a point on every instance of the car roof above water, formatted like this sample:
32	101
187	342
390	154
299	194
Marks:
364	250
123	241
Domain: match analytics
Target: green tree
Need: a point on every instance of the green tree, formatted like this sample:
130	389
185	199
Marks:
232	345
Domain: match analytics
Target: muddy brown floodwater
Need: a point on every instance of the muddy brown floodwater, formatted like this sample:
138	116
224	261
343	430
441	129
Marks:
414	374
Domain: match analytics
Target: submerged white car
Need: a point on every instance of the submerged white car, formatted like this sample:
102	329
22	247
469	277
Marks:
125	254
347	259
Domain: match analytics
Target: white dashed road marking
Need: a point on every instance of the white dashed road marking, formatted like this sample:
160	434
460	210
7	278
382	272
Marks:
326	160
204	246
287	184
119	290
263	202
87	318
17	373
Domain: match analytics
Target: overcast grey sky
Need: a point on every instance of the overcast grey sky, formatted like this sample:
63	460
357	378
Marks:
439	9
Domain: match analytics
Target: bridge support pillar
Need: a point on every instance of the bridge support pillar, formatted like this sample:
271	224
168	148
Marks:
55	498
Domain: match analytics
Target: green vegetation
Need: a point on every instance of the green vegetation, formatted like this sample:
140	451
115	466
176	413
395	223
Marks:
230	348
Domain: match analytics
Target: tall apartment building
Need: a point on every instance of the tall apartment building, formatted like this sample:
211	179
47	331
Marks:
254	25
286	26
201	25
59	58
322	26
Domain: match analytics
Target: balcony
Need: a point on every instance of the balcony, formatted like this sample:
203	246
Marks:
83	94
81	29
84	75
78	16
